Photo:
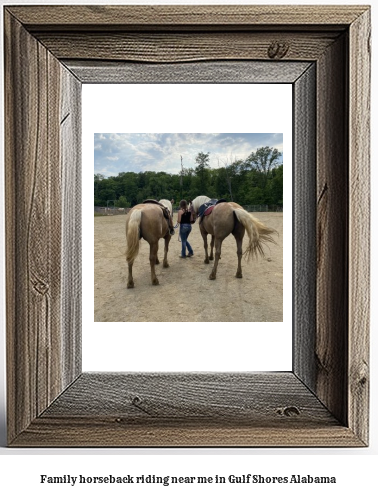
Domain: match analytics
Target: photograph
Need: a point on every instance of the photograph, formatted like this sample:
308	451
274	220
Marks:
200	215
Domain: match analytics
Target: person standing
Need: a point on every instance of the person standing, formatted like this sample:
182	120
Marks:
184	219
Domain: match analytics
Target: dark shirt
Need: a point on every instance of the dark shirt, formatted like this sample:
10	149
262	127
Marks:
185	218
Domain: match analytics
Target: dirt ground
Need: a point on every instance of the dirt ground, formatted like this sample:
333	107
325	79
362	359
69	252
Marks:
185	286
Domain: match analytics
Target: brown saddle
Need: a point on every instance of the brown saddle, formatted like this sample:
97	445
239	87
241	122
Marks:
155	202
163	207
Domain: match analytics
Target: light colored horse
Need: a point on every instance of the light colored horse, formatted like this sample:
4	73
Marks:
227	218
167	204
146	221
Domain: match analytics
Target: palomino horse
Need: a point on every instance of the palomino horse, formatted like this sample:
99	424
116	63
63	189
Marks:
227	218
167	204
149	222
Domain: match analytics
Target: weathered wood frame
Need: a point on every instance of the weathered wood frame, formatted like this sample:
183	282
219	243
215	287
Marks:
49	53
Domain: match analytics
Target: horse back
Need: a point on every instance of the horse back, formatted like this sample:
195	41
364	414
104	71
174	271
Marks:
153	225
234	205
220	223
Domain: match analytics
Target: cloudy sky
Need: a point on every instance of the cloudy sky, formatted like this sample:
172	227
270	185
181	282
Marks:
115	153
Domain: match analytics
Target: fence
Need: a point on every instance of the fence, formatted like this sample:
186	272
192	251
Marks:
254	208
110	211
249	208
263	208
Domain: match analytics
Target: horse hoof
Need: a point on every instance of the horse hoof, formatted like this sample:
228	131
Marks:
130	285
155	282
211	258
212	277
165	264
238	275
206	261
157	262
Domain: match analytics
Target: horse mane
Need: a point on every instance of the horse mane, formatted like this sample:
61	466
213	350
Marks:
167	204
197	202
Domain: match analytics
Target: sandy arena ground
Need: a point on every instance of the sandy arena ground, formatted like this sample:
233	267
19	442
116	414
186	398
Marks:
185	286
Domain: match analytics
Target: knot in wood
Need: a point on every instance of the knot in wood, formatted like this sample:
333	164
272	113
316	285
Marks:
363	381
288	411
278	50
41	287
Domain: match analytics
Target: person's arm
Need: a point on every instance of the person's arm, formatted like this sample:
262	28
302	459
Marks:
179	216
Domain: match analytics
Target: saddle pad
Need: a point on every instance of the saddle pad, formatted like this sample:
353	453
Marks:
209	210
203	207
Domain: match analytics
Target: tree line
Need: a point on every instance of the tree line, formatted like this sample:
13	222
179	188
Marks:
257	180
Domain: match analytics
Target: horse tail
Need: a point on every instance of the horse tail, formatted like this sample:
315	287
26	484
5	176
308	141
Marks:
258	233
132	235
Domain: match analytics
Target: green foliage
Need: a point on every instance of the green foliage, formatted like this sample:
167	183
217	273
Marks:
256	180
122	202
263	159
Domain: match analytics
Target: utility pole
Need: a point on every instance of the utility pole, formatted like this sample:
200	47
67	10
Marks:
182	171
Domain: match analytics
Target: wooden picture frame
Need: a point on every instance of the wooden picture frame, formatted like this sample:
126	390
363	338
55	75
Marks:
324	52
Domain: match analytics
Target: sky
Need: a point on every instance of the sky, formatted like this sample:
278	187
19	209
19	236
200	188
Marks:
115	153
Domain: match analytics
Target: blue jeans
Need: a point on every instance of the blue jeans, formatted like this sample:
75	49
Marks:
184	233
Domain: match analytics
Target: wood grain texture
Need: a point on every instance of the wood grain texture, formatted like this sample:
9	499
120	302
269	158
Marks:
304	227
100	432
359	226
323	402
245	397
197	409
70	161
32	214
180	47
34	239
143	17
331	351
199	72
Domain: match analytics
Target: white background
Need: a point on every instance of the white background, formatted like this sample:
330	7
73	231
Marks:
355	469
171	346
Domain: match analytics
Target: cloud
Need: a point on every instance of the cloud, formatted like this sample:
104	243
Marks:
115	153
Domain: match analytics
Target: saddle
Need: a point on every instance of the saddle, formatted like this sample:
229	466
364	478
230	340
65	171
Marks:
202	209
208	207
166	214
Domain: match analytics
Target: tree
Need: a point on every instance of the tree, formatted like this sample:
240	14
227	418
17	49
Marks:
232	169
263	159
122	202
201	170
256	180
275	186
202	160
97	184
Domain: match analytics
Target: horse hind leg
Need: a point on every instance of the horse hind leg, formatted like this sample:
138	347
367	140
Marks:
167	239
218	246
239	251
130	280
204	236
212	248
157	255
238	233
153	255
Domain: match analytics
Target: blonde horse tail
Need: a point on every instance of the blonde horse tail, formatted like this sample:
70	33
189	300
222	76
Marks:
132	235
258	233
